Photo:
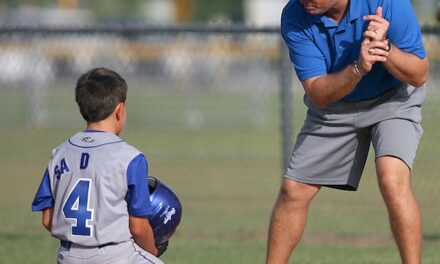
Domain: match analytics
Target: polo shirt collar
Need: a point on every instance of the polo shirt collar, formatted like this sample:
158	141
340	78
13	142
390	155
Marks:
355	10
353	13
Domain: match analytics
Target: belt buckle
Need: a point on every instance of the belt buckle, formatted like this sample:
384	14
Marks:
66	244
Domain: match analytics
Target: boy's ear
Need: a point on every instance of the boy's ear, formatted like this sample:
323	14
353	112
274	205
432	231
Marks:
120	110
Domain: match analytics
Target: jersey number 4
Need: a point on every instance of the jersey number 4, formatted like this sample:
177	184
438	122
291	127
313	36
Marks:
76	208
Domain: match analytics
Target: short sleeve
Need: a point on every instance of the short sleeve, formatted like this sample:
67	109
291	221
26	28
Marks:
404	30
307	59
138	195
43	198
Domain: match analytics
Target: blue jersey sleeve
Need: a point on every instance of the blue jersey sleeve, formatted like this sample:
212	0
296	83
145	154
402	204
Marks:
306	57
404	30
138	195
43	198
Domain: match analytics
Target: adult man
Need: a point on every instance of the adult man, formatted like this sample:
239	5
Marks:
359	62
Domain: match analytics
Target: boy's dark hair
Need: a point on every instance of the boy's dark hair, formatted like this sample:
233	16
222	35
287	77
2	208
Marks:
98	92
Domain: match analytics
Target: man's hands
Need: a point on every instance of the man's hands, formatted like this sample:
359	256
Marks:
404	66
372	52
375	47
377	26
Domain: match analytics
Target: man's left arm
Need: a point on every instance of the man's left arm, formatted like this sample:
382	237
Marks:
407	67
403	65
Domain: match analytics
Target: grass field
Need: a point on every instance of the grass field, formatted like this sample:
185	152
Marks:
226	169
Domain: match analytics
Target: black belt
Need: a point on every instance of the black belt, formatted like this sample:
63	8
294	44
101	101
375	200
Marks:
67	244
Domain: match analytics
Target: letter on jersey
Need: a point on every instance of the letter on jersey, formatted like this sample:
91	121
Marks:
62	168
84	161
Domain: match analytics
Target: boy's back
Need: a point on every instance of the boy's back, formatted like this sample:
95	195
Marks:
89	175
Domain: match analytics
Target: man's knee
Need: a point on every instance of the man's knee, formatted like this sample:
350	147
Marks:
393	176
297	193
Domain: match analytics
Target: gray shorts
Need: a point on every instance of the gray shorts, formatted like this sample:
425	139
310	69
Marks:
332	146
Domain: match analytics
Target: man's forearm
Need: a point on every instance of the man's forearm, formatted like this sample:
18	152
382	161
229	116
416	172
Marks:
332	87
407	67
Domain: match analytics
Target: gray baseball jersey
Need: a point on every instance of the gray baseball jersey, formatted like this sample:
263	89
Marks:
94	180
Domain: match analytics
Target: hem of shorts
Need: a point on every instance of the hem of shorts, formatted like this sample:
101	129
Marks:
409	165
340	185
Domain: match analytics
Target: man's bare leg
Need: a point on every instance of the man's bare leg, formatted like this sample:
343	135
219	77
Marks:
404	214
288	219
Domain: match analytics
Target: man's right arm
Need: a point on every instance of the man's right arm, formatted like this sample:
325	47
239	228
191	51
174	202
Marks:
320	86
326	89
323	90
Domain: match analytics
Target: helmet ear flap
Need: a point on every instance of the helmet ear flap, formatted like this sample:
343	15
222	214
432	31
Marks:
152	184
166	210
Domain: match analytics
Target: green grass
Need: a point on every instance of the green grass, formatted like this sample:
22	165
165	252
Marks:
226	170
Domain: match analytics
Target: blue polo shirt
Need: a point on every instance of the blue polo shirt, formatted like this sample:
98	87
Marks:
319	46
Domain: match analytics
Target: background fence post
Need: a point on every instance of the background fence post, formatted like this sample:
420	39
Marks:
286	103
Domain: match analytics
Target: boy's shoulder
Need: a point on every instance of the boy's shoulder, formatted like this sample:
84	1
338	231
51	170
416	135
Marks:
97	141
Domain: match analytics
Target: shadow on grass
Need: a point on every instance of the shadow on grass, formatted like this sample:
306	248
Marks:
431	237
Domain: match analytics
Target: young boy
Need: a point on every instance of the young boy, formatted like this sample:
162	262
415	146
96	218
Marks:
94	194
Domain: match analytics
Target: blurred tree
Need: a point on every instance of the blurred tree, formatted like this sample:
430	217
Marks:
204	10
183	10
15	3
103	9
67	4
112	9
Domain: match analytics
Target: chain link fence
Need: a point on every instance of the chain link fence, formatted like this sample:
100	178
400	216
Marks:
191	59
213	104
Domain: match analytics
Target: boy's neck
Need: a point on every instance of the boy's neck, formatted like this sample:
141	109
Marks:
102	126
